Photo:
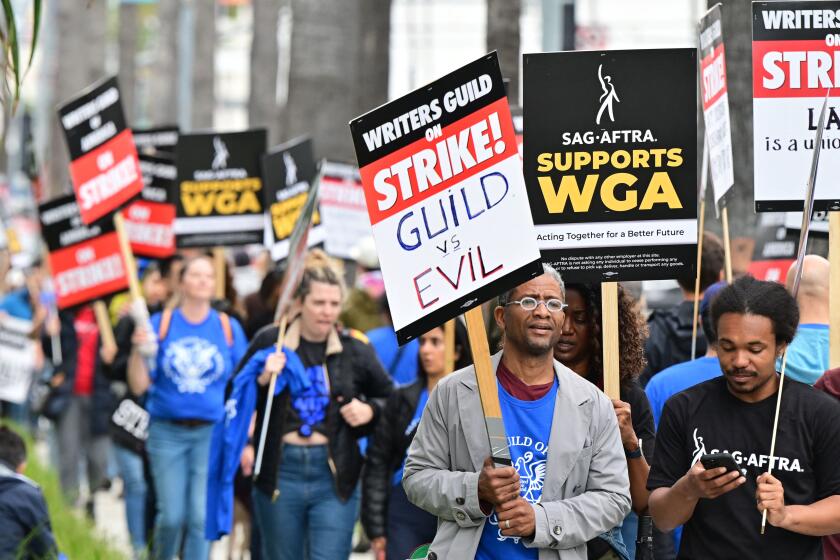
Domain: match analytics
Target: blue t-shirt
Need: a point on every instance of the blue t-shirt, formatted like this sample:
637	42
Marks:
399	362
528	428
676	378
807	355
17	304
415	420
193	365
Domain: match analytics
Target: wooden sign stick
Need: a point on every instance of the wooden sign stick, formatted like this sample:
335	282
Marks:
219	265
834	289
487	388
281	338
704	179
696	314
128	257
727	248
103	321
449	346
609	333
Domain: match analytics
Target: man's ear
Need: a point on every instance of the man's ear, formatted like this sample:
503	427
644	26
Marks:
499	315
21	468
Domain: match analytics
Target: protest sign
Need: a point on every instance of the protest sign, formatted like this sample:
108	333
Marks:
795	61
715	100
775	248
819	222
103	158
17	359
218	198
85	259
343	209
156	140
610	162
149	220
288	173
445	196
518	128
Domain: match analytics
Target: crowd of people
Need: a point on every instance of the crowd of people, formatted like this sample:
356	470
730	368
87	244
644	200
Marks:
208	424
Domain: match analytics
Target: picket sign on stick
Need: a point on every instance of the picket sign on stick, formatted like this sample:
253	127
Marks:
128	257
704	178
727	248
291	279
834	289
487	387
219	268
449	346
103	321
807	211
609	333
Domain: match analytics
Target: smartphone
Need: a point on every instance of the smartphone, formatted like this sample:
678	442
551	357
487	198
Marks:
717	460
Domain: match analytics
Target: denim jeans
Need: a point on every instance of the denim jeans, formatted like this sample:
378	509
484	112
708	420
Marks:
178	456
131	471
629	531
307	521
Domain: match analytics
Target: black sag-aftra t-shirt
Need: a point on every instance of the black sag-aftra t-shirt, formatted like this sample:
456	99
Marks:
707	418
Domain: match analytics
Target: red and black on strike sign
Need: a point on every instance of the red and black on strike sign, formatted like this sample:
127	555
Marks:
103	166
149	220
155	140
85	259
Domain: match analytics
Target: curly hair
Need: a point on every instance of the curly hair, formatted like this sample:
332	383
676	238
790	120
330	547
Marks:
748	296
632	333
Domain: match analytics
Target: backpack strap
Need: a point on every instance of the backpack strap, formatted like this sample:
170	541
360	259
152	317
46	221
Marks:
165	321
225	319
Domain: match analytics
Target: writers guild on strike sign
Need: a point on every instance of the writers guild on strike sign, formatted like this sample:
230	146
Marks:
104	166
85	260
613	182
444	192
796	59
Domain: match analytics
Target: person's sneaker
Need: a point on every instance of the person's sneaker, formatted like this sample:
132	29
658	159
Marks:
89	511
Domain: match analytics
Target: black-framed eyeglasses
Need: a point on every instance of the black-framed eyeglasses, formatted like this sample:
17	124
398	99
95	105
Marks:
529	304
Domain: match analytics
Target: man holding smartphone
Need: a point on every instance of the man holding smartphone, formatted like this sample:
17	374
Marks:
721	508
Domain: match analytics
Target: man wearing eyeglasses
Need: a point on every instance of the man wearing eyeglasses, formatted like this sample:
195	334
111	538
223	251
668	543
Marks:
568	482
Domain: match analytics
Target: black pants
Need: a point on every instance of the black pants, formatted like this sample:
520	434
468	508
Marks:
408	526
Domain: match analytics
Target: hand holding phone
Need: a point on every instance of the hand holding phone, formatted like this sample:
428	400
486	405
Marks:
716	460
723	476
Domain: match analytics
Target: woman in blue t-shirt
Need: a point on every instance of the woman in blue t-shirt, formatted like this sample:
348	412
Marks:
196	351
396	526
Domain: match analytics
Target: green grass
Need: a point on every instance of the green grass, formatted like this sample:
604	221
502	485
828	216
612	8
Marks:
74	533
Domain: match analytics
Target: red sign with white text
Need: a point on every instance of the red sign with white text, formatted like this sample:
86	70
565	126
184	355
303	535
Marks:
104	166
87	271
149	228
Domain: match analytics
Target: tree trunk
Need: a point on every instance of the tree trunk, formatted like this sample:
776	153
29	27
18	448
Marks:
737	36
129	19
203	65
329	83
163	109
262	105
81	33
374	55
503	36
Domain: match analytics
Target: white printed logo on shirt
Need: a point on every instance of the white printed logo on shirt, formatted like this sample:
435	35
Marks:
745	459
530	465
193	364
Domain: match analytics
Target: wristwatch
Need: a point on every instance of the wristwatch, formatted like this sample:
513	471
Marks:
636	453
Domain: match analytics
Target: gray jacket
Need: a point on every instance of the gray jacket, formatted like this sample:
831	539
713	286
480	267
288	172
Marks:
586	490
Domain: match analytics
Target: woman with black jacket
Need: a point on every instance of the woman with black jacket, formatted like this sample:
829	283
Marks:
306	496
396	526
